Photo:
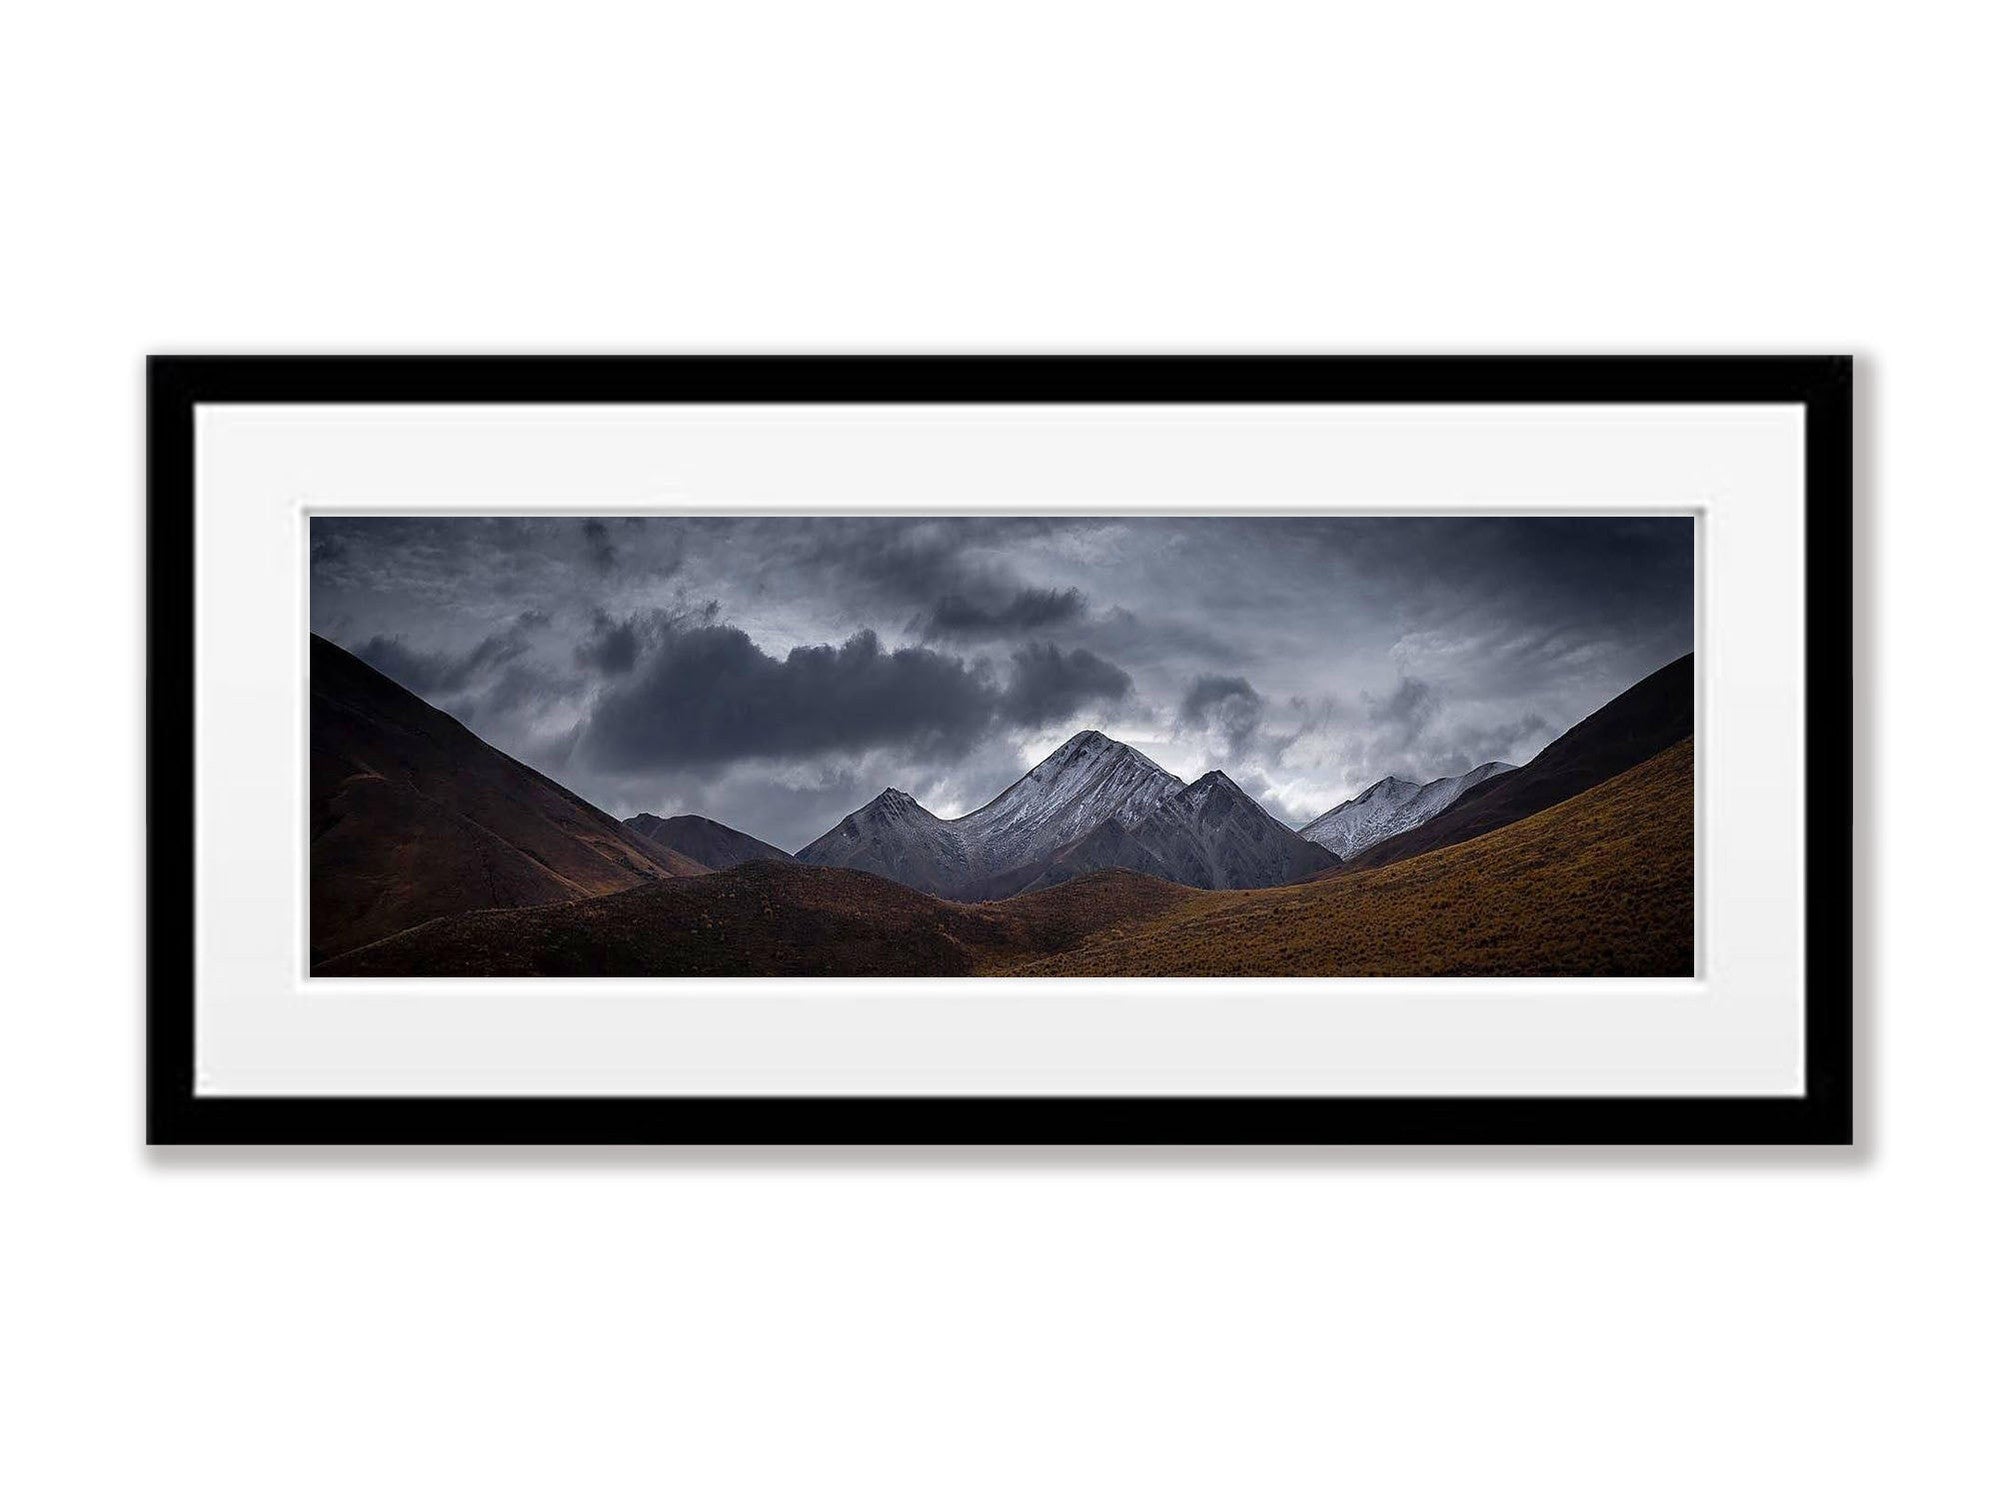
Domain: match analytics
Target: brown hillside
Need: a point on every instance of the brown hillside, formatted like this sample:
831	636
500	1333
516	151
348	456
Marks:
414	816
1629	729
763	918
711	844
1602	884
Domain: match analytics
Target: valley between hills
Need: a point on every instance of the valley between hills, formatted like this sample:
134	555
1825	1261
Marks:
435	854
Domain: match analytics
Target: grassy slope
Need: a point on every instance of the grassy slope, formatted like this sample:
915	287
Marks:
414	816
763	919
1599	884
1637	724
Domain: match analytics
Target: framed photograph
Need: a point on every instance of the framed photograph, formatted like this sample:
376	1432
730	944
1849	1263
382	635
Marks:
1000	750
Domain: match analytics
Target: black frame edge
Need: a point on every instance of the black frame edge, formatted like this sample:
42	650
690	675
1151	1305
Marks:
1829	759
172	1112
177	1115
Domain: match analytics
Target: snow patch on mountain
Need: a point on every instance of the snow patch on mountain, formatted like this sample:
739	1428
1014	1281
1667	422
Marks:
1091	779
897	836
1216	836
1063	814
1390	806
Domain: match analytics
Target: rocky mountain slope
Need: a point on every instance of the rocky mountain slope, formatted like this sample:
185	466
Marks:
896	837
703	840
1090	780
1092	804
414	816
1390	806
1215	836
1109	845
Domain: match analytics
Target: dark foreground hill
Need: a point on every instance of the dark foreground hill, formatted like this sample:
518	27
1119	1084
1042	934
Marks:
1601	884
414	816
704	840
1632	727
765	919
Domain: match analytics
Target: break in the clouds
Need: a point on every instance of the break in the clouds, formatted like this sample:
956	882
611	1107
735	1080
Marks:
774	673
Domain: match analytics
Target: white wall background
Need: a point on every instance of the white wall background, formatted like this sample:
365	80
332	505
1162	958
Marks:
1037	176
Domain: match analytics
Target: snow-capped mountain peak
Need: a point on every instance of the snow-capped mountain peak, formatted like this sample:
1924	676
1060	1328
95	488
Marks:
1085	740
1088	779
897	836
1091	787
1390	789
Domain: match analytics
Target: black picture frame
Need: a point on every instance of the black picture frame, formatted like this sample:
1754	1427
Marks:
1823	1114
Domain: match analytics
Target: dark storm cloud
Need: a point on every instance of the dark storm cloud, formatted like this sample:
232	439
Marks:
612	647
1402	715
1227	705
399	563
708	695
597	544
1558	560
918	560
1404	732
1475	745
1413	731
1027	609
965	577
765	668
429	673
1051	685
883	566
521	685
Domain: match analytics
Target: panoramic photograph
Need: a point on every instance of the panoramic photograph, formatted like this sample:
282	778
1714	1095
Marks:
960	746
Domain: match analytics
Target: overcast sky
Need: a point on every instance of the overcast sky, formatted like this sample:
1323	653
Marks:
776	673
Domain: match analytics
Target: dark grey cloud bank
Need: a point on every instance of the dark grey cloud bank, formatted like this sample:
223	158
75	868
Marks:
776	672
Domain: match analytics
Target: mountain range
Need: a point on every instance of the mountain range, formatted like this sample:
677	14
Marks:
1600	884
1092	804
434	853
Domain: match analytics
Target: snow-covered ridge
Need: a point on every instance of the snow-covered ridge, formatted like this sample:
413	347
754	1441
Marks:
1211	833
1390	806
1089	779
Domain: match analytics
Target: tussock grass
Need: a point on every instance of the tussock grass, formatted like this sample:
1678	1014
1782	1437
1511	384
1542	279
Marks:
1601	884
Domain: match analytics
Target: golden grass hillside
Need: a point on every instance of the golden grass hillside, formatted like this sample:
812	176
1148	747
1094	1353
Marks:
1601	884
